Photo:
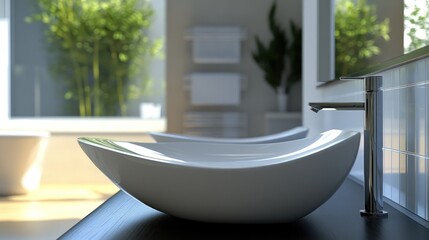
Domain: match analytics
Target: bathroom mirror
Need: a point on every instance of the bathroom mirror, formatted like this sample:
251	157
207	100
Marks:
404	22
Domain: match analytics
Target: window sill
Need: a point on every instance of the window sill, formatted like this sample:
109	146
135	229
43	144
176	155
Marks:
92	125
383	66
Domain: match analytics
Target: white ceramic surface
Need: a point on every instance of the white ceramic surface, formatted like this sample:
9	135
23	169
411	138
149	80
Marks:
291	134
229	183
21	158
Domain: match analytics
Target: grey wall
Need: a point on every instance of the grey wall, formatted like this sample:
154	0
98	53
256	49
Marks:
251	16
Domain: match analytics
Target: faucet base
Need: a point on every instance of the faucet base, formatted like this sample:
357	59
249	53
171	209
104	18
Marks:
381	214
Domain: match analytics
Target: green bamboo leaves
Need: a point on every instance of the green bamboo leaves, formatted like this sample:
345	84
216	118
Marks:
100	47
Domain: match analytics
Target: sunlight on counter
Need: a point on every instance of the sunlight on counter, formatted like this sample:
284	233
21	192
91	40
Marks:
55	202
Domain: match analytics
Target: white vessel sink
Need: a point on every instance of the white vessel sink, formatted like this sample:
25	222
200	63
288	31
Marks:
21	160
291	134
229	183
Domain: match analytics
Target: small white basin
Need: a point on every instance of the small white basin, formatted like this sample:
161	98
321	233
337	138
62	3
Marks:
291	134
22	153
229	183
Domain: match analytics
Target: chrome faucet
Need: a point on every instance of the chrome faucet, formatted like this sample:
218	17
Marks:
373	141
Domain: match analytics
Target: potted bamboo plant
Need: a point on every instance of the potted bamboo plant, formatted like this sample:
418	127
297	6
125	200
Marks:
99	48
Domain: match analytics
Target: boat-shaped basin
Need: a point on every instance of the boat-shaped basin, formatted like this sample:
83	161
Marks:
229	183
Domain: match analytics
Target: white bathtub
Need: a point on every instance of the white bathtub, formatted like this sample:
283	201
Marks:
21	157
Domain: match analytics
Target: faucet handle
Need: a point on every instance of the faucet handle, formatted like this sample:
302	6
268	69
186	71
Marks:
372	83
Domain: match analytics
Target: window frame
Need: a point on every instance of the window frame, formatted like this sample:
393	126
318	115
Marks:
57	124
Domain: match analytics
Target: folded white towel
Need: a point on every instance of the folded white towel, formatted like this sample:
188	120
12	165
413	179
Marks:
215	89
216	44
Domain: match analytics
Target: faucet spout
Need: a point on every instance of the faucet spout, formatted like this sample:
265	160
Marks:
317	106
373	142
315	109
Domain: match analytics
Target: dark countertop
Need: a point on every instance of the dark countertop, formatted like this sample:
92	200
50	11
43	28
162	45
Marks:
123	217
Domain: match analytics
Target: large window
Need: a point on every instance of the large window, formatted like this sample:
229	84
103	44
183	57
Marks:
416	24
369	32
104	67
359	32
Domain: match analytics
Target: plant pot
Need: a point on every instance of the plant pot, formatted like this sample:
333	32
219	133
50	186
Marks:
282	101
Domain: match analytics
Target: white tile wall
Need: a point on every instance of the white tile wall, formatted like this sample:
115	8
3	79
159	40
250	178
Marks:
426	144
406	135
421	186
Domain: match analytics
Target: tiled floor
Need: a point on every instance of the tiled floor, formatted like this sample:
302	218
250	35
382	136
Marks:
49	211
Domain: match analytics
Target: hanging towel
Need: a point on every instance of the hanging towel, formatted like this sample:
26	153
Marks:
216	44
215	89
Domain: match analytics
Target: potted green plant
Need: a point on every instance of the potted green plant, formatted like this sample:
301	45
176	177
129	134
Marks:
99	47
273	58
295	56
